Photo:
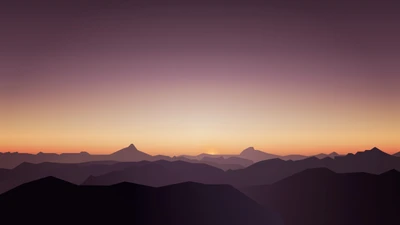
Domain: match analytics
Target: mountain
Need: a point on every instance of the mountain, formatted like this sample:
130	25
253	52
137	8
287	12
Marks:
293	157
229	160
160	173
203	155
321	196
74	173
256	155
220	164
397	154
323	155
49	199
180	169
129	153
269	171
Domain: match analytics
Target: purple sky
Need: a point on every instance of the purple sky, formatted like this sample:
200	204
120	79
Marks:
194	76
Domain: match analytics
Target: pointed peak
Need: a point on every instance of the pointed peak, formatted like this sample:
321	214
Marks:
375	149
131	146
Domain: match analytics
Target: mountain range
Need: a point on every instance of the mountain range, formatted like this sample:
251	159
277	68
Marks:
49	199
164	172
321	196
247	157
360	188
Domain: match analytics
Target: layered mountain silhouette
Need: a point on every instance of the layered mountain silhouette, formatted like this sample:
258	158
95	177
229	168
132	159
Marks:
321	196
164	172
129	154
331	155
254	155
74	173
397	154
228	161
50	199
160	173
372	161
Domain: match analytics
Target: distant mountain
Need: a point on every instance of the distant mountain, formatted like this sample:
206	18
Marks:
130	153
180	169
50	199
223	165
331	155
229	160
372	161
160	173
250	154
397	154
293	157
206	155
256	155
321	196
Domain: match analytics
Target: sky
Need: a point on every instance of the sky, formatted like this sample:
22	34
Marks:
186	77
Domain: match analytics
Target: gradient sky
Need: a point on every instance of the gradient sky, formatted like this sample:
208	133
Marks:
186	77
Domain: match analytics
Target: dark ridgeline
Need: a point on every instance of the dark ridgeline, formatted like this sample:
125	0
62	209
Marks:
130	153
233	160
372	161
321	196
161	173
74	173
221	163
53	201
158	173
331	155
397	154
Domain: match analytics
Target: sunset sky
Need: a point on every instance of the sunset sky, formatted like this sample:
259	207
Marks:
287	77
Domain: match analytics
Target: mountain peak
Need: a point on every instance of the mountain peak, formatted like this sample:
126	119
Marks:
130	153
375	149
373	152
249	149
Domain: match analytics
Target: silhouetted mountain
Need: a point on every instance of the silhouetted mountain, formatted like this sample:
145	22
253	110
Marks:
397	154
269	171
222	166
230	160
74	173
174	171
249	155
293	157
256	155
331	155
48	200
130	153
321	196
160	173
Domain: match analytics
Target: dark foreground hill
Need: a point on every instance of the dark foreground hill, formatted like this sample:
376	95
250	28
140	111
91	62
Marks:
321	196
53	201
